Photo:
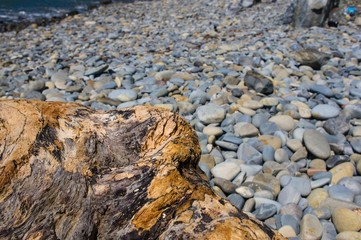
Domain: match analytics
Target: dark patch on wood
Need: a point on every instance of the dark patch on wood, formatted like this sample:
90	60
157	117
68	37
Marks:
126	114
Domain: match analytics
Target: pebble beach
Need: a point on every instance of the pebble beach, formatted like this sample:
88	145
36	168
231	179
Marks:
277	110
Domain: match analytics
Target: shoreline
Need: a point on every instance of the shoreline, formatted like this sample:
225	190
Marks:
20	24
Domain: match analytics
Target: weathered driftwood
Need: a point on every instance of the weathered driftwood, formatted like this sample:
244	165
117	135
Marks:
69	172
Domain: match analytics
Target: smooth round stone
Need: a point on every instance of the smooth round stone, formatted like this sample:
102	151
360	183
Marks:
265	211
252	104
294	144
289	195
210	113
251	169
247	111
311	228
302	185
298	133
329	230
284	122
300	154
249	154
245	192
317	164
226	170
281	155
273	141
124	95
352	184
264	181
342	170
349	235
346	220
269	101
244	129
319	182
341	193
316	197
224	184
303	109
325	111
317	144
236	200
287	231
268	153
212	130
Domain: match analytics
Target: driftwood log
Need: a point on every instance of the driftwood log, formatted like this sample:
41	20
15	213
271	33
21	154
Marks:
69	172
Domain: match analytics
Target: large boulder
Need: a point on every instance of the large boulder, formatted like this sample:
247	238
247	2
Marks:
69	172
308	13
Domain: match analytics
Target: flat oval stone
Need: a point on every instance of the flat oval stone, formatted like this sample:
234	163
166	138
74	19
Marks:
210	113
289	194
316	197
341	193
311	227
346	220
325	111
243	129
245	192
349	235
342	170
284	122
226	170
317	144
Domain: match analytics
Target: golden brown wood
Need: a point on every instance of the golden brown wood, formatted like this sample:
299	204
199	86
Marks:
69	172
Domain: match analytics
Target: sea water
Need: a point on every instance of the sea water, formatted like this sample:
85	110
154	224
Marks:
15	10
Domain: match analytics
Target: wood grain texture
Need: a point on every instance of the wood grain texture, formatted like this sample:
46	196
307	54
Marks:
69	172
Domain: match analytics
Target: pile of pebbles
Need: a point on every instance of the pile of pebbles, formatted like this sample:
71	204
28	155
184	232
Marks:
277	110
